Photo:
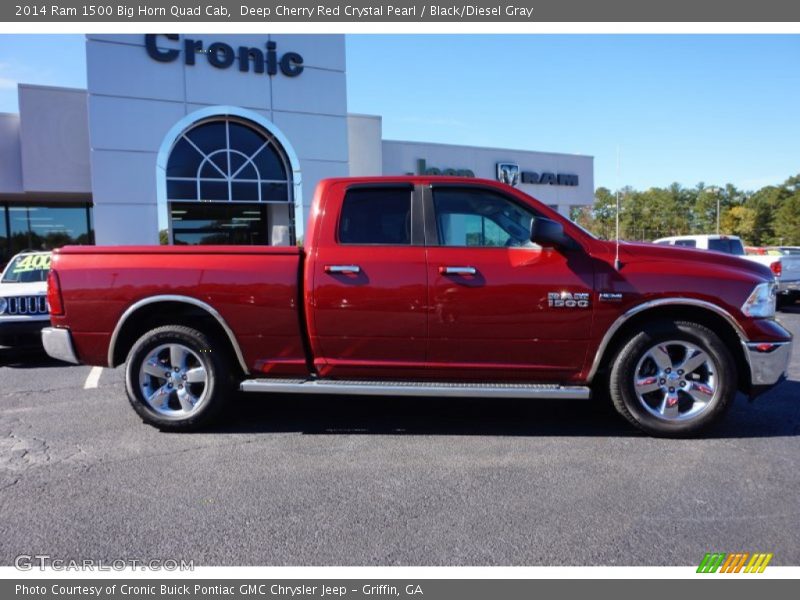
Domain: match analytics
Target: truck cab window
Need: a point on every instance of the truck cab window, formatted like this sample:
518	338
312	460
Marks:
480	218
376	216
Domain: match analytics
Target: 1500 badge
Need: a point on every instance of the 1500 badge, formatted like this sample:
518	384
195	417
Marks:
568	299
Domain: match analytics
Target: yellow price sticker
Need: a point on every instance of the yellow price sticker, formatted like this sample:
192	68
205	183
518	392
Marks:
32	262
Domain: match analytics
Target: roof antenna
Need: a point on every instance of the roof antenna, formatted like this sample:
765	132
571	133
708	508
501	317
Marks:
617	263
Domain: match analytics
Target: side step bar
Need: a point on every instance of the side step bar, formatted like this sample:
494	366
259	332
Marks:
415	388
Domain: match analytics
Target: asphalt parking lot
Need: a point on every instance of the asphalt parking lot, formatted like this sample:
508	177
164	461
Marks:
332	481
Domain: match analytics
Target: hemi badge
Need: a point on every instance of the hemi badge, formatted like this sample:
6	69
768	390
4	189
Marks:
610	297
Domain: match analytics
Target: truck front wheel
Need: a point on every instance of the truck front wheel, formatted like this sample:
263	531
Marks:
673	379
176	379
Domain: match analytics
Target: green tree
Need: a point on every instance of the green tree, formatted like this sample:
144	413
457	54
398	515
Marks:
664	212
764	204
683	205
770	215
787	221
603	216
739	220
792	184
704	211
633	214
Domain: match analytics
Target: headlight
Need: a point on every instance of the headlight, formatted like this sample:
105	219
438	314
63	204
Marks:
3	305
761	302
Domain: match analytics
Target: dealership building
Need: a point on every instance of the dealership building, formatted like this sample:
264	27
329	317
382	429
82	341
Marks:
197	139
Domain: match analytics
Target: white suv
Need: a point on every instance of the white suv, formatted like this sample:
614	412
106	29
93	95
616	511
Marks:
23	299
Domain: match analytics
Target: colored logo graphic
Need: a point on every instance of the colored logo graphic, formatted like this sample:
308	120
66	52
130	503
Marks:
734	563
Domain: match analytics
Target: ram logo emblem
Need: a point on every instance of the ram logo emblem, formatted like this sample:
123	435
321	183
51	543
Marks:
508	173
568	299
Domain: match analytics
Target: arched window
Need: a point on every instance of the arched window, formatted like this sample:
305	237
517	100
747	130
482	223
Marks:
228	181
227	160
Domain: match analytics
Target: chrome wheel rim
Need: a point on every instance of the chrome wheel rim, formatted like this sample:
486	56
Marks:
676	380
173	381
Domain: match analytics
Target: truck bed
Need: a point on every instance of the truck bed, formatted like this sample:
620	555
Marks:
254	289
250	250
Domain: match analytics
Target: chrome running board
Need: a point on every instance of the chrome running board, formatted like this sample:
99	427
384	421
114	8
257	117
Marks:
415	388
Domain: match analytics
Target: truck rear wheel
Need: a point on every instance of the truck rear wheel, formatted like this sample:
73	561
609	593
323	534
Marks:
673	379
176	379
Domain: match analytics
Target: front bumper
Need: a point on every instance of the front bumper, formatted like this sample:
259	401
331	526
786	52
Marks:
769	362
58	344
21	331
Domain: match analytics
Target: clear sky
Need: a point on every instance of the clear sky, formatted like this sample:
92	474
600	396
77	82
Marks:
711	108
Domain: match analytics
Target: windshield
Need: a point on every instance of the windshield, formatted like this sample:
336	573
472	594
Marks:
727	245
27	268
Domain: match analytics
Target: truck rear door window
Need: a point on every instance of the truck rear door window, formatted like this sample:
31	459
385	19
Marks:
728	246
376	216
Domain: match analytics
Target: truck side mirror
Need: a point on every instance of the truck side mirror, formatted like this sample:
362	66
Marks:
547	232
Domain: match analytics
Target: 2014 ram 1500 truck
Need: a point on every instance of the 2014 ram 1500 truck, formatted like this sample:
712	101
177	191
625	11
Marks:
431	286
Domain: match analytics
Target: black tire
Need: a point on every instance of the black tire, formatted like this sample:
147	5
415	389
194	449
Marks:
202	353
786	300
661	335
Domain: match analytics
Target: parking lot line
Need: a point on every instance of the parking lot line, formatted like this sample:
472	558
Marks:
93	378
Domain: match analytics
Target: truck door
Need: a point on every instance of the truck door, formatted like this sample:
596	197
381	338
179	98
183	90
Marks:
500	306
369	287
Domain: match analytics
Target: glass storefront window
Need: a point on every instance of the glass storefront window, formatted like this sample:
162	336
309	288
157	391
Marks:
195	223
4	253
225	177
227	160
39	227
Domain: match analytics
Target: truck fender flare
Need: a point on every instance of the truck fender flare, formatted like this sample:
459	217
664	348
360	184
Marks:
175	298
621	320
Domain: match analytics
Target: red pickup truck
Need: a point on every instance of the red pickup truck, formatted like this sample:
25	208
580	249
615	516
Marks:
424	286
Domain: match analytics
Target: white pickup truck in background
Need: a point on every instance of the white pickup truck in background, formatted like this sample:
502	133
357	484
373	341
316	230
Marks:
785	266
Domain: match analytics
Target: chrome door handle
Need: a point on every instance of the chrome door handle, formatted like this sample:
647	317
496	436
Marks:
344	269
458	270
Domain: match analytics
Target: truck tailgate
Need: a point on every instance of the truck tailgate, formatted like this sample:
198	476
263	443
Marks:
790	268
